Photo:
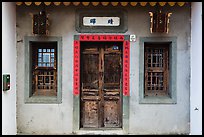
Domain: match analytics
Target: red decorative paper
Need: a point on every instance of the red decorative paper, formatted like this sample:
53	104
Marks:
101	38
126	67
126	59
76	70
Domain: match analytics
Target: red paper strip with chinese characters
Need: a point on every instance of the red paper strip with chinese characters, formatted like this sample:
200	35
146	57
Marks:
126	59
126	67
76	70
101	38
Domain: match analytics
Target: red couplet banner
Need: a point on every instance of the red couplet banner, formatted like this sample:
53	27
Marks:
126	59
76	73
101	38
126	67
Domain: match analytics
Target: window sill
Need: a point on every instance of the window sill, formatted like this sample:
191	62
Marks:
42	99
157	100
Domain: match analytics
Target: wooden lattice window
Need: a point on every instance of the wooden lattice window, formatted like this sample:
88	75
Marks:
44	69
156	69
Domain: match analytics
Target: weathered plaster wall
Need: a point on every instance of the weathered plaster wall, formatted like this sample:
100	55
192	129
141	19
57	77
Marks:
161	118
9	67
144	118
46	118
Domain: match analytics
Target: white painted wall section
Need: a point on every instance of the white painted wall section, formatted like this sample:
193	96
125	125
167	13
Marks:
196	70
9	67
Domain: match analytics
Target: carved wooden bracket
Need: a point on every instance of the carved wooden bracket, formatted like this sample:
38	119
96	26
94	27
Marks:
40	23
159	22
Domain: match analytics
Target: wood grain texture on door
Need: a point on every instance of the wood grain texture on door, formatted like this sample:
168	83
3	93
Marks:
101	84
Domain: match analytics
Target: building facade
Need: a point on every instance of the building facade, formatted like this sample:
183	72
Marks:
104	68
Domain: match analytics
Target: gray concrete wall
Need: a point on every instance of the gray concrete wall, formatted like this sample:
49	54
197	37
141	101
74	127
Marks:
144	118
9	67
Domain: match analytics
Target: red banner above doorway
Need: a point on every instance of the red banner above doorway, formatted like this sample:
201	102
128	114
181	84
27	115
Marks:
126	59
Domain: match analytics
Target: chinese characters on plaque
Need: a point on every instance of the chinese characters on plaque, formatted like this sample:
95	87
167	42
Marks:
101	21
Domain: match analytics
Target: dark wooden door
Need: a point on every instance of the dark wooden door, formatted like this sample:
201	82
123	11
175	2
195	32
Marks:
101	89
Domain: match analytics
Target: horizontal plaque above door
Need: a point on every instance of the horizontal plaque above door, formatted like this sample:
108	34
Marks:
101	21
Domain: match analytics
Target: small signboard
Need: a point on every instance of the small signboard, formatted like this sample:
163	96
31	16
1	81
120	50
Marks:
132	37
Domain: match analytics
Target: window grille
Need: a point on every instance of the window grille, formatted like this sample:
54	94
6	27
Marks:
156	69
44	72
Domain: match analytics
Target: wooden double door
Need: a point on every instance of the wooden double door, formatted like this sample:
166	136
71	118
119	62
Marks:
101	85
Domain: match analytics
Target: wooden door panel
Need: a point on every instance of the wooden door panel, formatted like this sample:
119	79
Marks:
90	71
112	82
112	71
90	88
111	113
101	86
90	116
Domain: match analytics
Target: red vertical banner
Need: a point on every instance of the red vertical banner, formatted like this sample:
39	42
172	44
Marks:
126	67
76	69
126	59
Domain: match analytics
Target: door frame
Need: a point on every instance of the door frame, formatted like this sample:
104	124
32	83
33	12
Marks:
125	75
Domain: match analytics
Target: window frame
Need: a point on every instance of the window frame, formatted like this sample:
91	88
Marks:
43	71
157	69
28	70
172	98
